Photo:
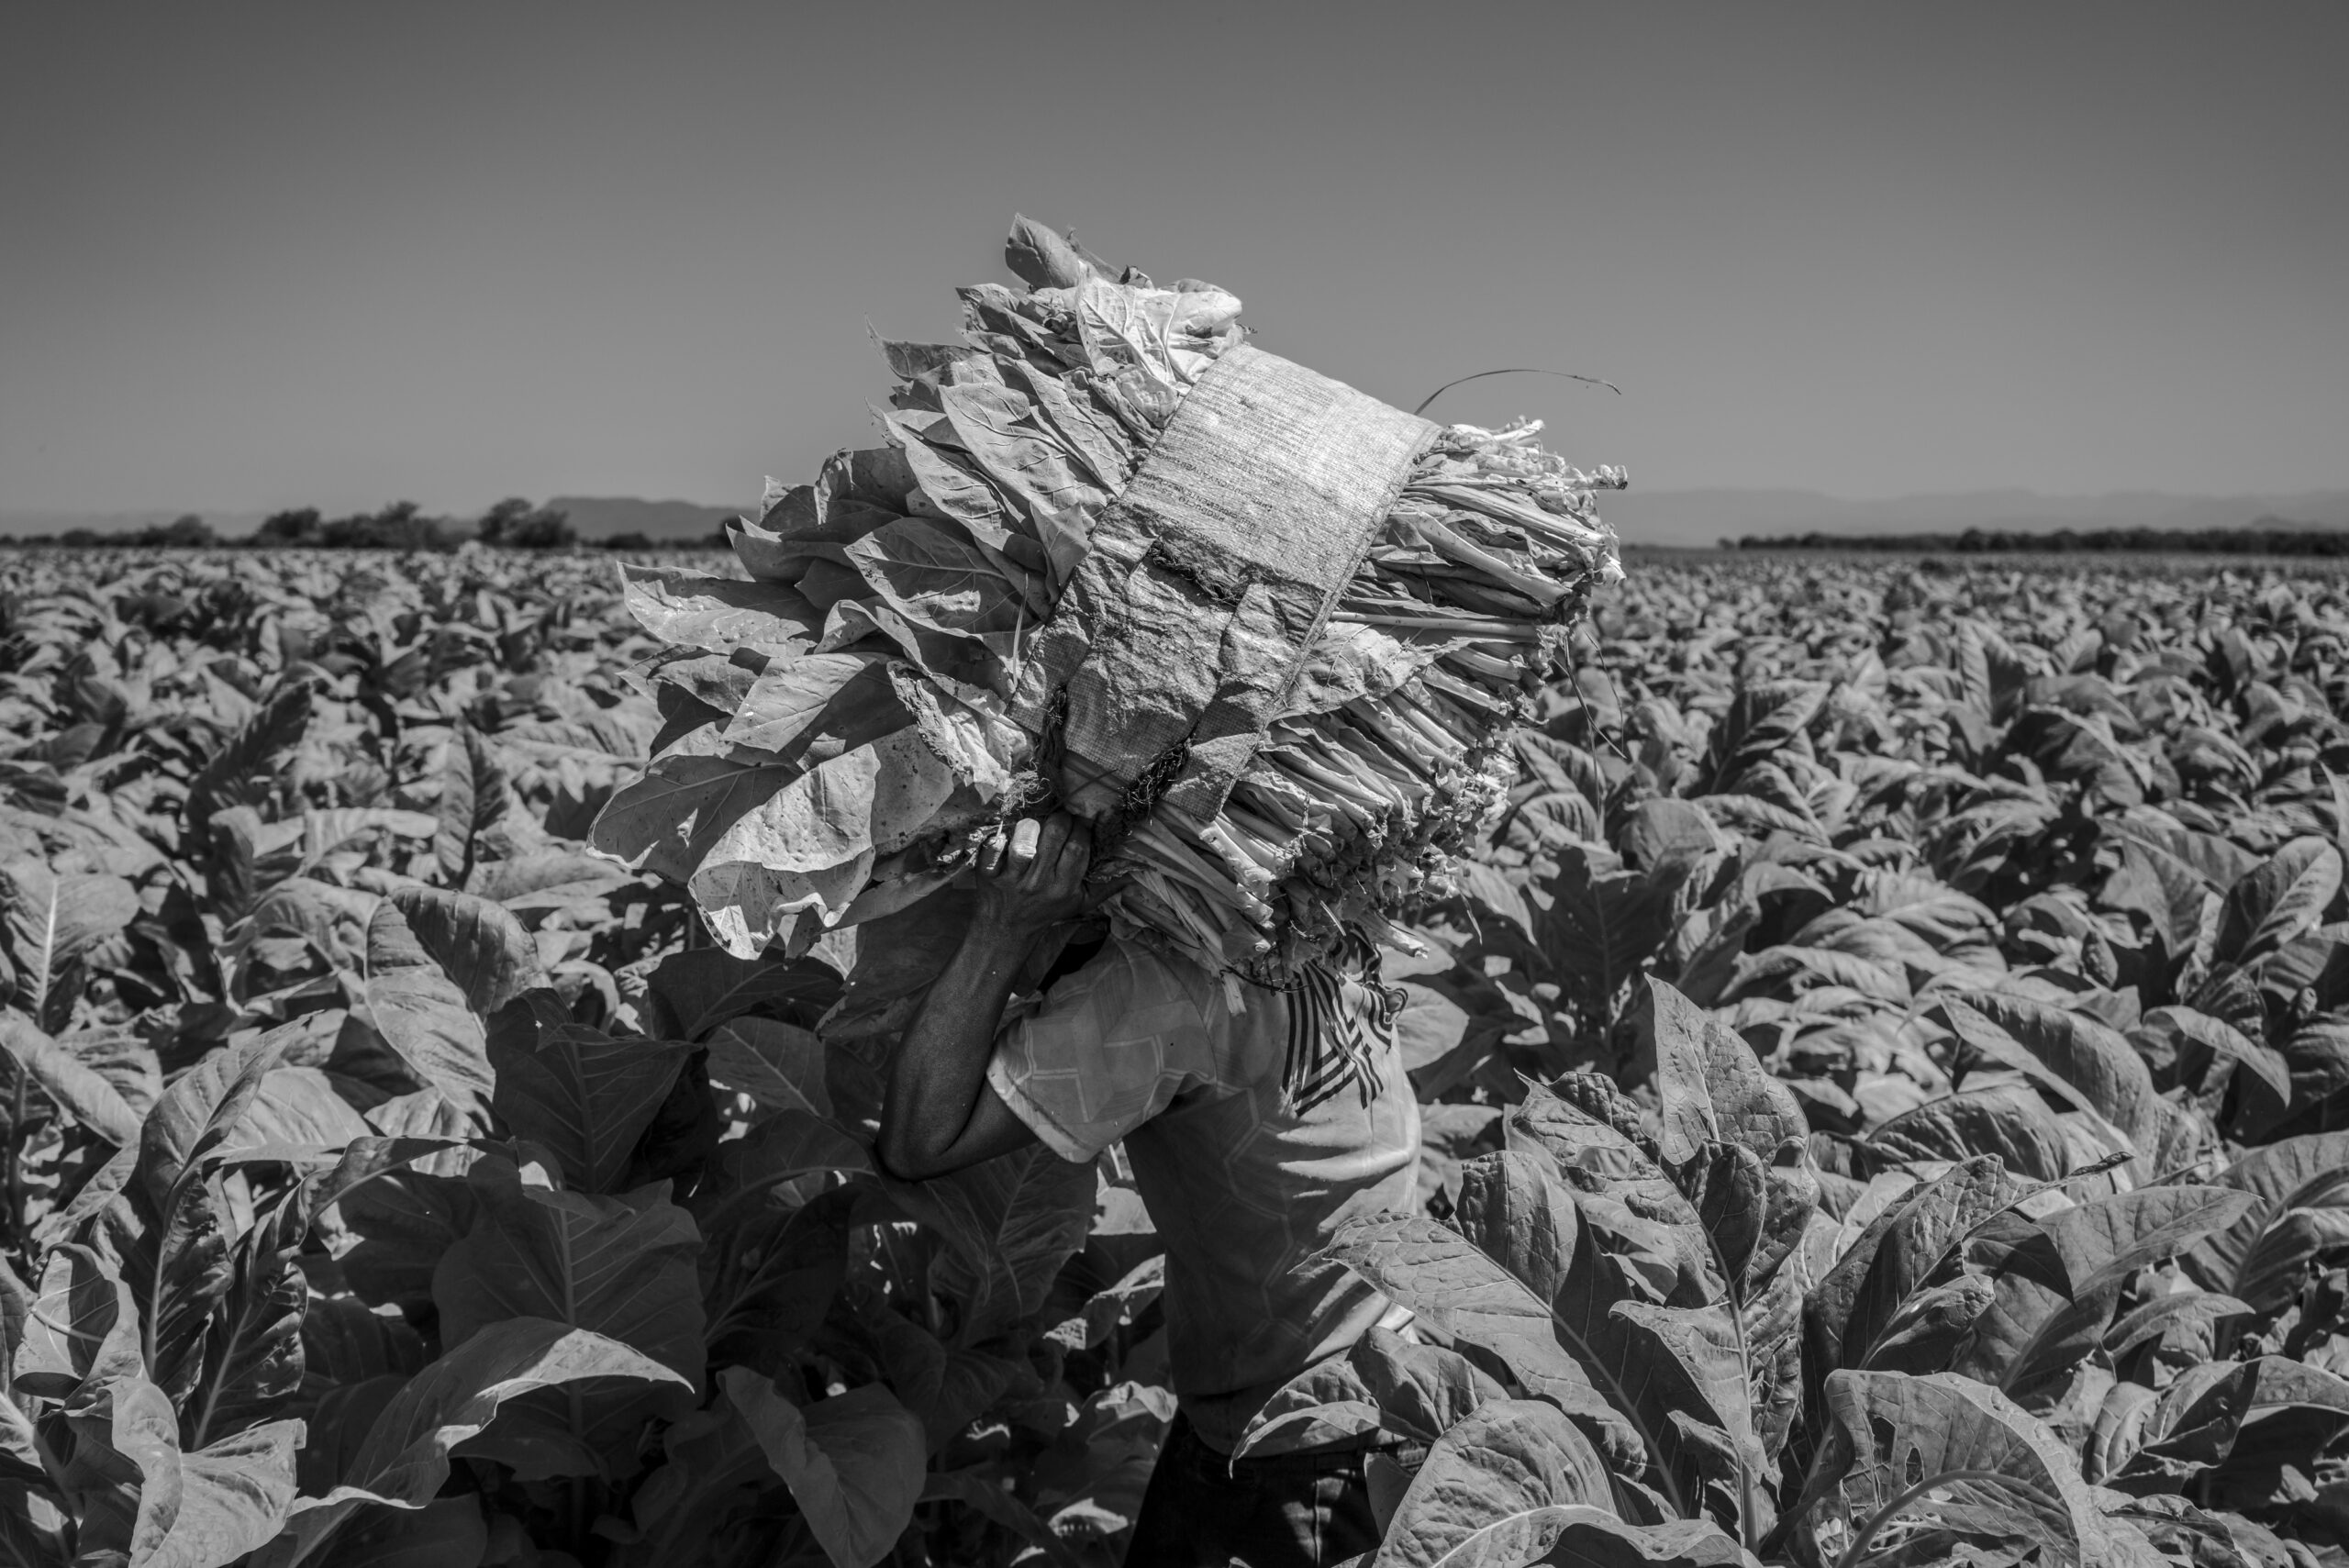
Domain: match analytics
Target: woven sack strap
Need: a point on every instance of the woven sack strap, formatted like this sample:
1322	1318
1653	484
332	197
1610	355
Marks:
1207	582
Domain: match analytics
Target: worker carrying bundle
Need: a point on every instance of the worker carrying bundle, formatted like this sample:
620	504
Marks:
1131	620
1263	633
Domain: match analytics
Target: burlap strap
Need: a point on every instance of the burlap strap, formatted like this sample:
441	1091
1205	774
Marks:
1210	577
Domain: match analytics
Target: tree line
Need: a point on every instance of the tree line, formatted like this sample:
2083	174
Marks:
512	524
2267	536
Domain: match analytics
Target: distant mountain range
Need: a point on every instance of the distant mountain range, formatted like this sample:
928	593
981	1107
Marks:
1661	517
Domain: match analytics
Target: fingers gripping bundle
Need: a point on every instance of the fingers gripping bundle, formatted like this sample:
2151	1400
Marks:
1264	632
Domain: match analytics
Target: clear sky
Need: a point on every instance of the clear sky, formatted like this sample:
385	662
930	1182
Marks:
255	255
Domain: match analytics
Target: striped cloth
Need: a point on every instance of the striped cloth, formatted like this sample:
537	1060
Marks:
1333	1039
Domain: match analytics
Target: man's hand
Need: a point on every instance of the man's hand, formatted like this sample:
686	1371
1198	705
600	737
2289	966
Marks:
1031	874
940	1115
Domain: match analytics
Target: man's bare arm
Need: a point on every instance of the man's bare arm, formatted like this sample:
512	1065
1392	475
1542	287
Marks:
941	1115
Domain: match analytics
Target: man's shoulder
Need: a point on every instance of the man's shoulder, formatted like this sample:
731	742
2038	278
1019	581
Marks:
1145	965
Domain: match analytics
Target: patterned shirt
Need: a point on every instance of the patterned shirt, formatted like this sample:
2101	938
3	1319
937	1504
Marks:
1254	1135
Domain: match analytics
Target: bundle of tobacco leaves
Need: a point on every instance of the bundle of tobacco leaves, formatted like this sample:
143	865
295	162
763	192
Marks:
841	730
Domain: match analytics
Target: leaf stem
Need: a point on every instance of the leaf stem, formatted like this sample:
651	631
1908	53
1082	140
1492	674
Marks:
1854	1554
12	1196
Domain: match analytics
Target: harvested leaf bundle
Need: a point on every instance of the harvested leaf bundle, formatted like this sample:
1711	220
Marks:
1264	631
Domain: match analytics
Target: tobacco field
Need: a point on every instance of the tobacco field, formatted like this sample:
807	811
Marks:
1885	1087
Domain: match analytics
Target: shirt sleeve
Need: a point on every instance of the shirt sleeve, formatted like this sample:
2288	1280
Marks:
1109	1047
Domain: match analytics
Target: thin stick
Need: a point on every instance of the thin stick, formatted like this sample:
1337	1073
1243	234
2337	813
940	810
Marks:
1515	370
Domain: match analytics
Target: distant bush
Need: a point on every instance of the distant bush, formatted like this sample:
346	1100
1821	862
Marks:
515	524
400	526
187	531
2268	536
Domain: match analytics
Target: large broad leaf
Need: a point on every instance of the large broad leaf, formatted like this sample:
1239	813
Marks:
1901	1452
1858	1300
622	1267
1601	924
1009	1224
712	1459
835	694
80	1324
1412	1391
937	580
2056	1280
1712	1086
783	1147
477	943
253	1360
447	1533
2167	891
256	1349
244	772
2092	1061
295	1106
200	1114
2301	1186
404	1457
2215	1411
2278	901
1760	720
780	1065
170	1230
705	987
473	801
77	1088
2263	1061
976	1490
770	1274
667	821
810	844
946	1388
1001	430
580	1094
1496	1490
854	1463
234	1497
1639	1376
53	922
695	609
407	1224
1736	1142
422	1013
1461	1292
140	1495
2008	1120
546	879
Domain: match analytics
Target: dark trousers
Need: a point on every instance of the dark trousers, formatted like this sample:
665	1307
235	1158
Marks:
1292	1510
